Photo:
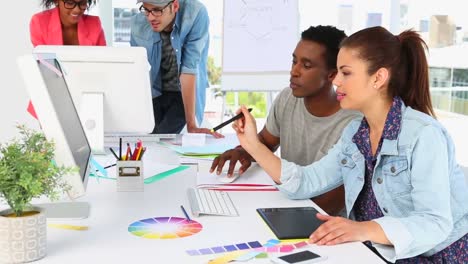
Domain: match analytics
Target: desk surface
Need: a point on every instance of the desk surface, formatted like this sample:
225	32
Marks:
108	241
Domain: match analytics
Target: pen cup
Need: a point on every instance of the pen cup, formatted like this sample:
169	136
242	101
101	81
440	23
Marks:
130	176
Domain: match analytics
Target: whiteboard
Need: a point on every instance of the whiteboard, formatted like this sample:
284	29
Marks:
259	37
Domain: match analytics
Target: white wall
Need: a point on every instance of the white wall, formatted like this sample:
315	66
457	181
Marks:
14	28
106	14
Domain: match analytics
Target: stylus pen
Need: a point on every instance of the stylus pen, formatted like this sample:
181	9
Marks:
234	118
108	166
185	213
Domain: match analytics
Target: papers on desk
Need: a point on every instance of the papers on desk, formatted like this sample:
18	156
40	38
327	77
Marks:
202	150
254	179
196	159
213	146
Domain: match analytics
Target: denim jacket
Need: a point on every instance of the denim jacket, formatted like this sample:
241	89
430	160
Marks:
418	185
190	40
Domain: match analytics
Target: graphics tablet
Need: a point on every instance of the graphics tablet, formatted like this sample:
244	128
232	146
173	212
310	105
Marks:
291	222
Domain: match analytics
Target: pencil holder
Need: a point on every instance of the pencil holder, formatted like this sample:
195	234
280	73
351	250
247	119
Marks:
130	176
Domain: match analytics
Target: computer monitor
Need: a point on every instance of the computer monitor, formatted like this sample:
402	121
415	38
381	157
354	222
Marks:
60	122
110	87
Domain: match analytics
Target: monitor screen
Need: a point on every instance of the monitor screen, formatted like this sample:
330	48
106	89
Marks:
58	118
110	87
120	74
67	115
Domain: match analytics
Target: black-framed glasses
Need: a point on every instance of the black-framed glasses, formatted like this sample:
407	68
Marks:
156	12
70	4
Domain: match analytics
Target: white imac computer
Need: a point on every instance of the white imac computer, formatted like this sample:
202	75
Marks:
60	122
110	87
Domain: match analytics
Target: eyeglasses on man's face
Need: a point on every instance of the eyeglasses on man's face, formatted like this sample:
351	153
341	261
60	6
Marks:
70	4
157	12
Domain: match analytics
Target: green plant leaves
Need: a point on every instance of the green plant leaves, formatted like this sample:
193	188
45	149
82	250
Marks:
27	170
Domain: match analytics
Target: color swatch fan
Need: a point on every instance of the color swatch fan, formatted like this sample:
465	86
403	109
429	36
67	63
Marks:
164	228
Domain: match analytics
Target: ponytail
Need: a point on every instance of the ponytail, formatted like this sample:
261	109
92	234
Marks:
404	55
415	92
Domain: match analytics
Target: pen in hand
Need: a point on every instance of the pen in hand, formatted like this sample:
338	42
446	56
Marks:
185	213
232	119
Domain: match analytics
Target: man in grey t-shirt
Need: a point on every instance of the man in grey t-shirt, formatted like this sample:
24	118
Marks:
306	118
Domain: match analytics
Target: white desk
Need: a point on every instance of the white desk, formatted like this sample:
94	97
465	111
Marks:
108	241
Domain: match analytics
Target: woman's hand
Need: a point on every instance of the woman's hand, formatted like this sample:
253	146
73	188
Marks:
337	230
246	130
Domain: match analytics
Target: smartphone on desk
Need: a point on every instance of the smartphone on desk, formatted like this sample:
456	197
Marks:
303	257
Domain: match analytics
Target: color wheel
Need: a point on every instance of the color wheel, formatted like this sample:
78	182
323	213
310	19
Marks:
164	227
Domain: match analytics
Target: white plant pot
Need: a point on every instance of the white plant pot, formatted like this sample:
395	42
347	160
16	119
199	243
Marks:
22	239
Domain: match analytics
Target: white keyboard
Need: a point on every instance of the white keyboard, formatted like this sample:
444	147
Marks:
112	138
211	202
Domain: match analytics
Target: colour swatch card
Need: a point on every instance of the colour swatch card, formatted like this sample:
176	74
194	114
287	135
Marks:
245	251
164	228
243	255
225	248
272	245
282	248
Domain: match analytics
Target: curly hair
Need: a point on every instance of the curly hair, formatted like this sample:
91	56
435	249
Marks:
51	3
328	36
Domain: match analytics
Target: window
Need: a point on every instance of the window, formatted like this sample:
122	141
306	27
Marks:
443	27
122	19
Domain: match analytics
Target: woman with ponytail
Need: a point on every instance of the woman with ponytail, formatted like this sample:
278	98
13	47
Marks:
406	197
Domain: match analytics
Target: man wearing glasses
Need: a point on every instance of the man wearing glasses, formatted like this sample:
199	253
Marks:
65	23
175	35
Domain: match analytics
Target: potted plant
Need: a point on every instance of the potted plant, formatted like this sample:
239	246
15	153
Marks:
27	171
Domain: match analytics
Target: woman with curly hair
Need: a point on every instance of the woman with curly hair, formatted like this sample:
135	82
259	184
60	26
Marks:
64	22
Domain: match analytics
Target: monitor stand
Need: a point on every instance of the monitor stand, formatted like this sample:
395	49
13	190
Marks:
65	210
92	119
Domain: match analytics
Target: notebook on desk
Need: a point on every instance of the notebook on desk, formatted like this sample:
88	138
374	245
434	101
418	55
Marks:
291	222
254	179
212	146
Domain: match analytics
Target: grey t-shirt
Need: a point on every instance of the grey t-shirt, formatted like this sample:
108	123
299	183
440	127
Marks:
304	138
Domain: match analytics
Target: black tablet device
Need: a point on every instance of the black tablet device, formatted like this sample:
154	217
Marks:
291	222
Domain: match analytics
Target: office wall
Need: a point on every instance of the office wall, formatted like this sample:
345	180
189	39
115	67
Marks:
106	13
14	25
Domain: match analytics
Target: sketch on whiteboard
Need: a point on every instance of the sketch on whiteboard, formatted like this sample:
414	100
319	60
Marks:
259	35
